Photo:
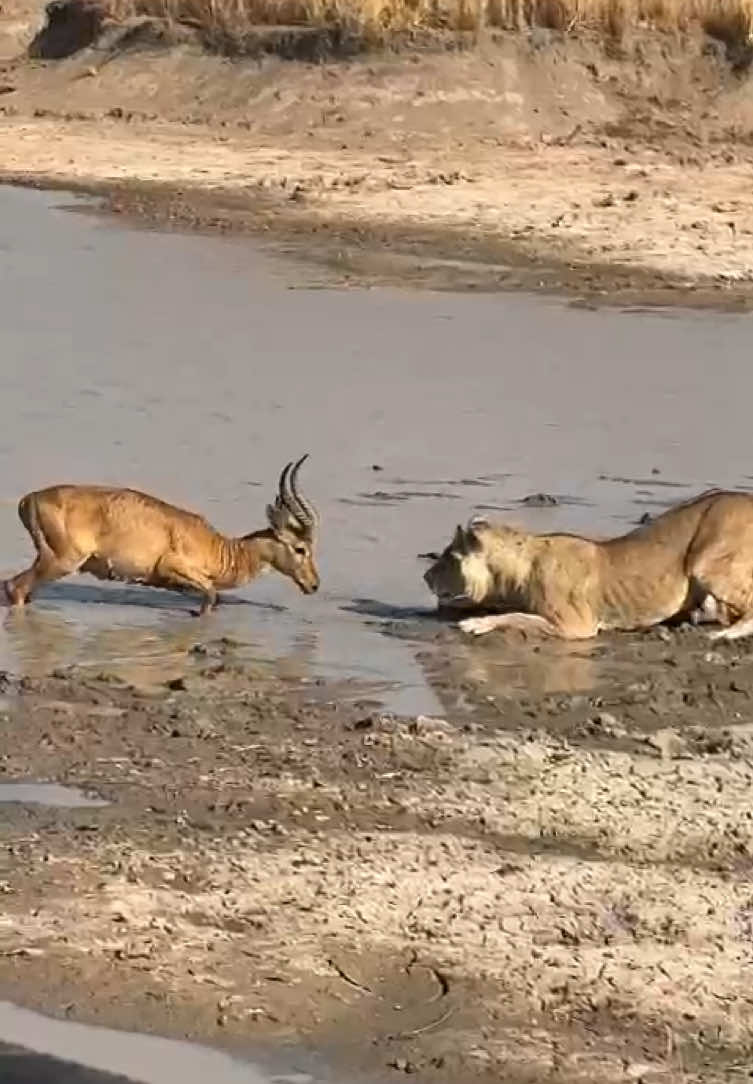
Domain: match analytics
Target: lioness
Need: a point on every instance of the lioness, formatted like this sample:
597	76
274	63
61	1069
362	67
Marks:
693	561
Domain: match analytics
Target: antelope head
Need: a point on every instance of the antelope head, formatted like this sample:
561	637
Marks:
294	524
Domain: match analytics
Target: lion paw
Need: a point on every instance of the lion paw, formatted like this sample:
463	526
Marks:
477	626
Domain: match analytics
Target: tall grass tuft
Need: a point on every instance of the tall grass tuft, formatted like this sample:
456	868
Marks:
731	21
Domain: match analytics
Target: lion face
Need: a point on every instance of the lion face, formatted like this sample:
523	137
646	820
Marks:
460	576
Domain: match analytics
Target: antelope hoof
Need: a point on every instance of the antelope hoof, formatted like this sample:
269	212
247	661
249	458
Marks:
206	608
12	602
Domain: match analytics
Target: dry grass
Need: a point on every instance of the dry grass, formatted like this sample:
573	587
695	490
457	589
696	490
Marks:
729	20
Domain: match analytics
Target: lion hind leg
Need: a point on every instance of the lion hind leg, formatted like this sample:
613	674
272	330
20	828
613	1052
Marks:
739	629
726	577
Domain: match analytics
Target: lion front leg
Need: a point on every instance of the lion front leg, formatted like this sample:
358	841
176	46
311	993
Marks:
478	626
567	627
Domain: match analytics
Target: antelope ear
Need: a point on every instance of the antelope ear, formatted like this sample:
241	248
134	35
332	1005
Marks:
275	518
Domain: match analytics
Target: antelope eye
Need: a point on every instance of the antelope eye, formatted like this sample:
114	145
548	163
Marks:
300	550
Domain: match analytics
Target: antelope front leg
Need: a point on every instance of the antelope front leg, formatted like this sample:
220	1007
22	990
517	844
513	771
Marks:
172	573
209	602
477	626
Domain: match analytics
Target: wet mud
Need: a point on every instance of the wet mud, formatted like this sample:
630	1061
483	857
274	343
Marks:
509	888
405	256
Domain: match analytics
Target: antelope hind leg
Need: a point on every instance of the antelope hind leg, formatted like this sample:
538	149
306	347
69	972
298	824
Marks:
45	569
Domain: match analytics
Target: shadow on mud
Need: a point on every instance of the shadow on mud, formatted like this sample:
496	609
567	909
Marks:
146	597
388	611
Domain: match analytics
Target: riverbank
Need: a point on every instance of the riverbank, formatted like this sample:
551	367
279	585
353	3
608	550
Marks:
539	161
536	885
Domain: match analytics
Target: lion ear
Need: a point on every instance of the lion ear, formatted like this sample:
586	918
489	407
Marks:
458	539
477	523
473	532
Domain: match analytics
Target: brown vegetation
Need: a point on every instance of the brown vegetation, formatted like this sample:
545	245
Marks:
374	20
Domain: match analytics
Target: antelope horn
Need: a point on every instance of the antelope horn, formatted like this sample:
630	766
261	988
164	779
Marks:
282	509
304	509
282	487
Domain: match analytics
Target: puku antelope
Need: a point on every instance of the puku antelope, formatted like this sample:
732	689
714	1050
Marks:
122	534
694	561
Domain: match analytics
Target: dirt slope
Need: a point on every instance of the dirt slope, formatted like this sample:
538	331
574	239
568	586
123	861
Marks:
536	159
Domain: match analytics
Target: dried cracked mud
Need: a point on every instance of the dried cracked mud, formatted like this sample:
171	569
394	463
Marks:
541	884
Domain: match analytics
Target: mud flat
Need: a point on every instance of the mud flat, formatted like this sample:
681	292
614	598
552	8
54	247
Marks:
540	160
546	884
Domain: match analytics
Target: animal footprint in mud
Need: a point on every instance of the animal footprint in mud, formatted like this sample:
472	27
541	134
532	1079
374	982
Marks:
477	626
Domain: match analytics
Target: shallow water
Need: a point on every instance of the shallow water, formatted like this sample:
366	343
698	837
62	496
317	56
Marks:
48	1051
53	794
187	366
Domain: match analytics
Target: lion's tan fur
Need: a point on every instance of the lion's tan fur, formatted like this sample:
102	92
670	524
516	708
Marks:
123	534
696	559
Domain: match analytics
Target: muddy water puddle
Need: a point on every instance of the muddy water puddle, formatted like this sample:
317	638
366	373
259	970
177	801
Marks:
48	1051
48	794
189	367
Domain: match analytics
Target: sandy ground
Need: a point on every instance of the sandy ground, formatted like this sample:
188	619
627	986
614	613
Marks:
536	162
549	886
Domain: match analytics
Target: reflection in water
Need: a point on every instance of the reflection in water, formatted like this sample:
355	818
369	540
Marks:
38	640
141	655
44	639
462	400
512	666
